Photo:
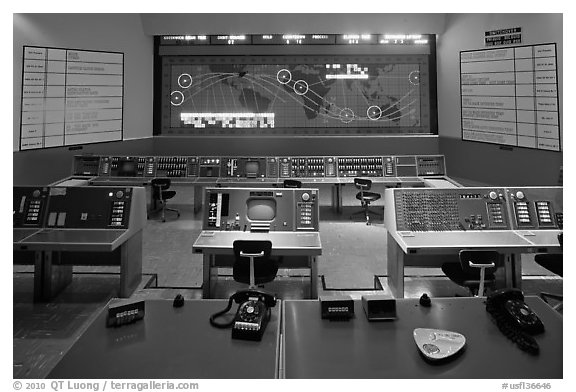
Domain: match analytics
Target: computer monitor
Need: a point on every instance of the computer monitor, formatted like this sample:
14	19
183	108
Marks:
252	169
260	209
127	168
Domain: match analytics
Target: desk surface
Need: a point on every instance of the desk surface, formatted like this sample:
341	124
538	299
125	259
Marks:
502	240
171	343
283	243
73	240
316	348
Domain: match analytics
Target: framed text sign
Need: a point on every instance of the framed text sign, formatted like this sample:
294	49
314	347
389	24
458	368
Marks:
70	97
509	96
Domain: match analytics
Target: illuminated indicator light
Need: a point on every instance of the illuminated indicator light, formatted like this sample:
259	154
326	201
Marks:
402	36
344	76
229	120
267	36
293	36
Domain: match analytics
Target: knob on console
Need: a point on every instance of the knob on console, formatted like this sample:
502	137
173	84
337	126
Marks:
305	196
520	195
493	195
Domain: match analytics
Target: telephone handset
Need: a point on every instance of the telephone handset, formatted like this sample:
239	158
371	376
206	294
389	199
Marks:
514	318
251	317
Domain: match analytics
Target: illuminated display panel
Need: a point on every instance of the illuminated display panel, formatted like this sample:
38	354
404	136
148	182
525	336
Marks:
385	93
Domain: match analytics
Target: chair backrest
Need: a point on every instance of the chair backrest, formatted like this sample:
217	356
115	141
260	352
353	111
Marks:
479	257
292	183
363	184
265	269
161	183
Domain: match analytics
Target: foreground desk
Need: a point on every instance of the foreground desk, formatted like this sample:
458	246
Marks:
316	348
427	227
220	243
171	343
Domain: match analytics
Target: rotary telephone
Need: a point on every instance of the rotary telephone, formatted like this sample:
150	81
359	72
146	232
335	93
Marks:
515	319
251	317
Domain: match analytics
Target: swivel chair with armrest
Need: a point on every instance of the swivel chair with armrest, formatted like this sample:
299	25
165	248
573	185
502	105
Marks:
366	197
161	193
553	262
475	271
289	183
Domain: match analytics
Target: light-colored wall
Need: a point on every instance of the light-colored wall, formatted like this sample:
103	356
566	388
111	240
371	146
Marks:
158	24
113	32
482	162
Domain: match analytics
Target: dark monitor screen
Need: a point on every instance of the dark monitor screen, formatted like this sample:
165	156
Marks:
252	168
261	209
127	168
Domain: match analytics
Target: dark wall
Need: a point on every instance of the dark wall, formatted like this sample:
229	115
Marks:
491	164
292	145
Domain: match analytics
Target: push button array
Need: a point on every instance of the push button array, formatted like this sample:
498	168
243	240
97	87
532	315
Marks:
522	212
305	214
117	216
33	211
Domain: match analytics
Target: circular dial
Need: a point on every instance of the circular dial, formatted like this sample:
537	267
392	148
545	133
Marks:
519	195
493	195
305	196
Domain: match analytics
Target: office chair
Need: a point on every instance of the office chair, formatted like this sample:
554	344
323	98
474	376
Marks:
161	193
474	271
366	197
553	262
292	183
252	263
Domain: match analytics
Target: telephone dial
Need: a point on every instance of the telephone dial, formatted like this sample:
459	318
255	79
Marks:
515	319
251	317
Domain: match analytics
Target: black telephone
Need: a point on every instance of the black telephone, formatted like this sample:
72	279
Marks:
251	317
514	318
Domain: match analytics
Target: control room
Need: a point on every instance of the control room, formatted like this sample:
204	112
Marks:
288	196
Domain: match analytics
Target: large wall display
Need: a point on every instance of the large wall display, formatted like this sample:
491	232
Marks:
297	86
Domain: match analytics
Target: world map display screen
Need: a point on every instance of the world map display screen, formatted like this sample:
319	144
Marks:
383	94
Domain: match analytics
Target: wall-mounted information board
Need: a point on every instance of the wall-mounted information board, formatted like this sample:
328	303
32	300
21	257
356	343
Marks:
510	96
70	96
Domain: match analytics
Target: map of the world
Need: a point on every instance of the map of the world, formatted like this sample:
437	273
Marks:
342	94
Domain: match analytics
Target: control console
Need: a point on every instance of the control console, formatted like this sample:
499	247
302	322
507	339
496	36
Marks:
260	167
261	209
466	209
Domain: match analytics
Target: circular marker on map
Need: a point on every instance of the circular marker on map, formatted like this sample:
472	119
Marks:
414	77
374	112
346	115
300	87
176	98
184	80
284	76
